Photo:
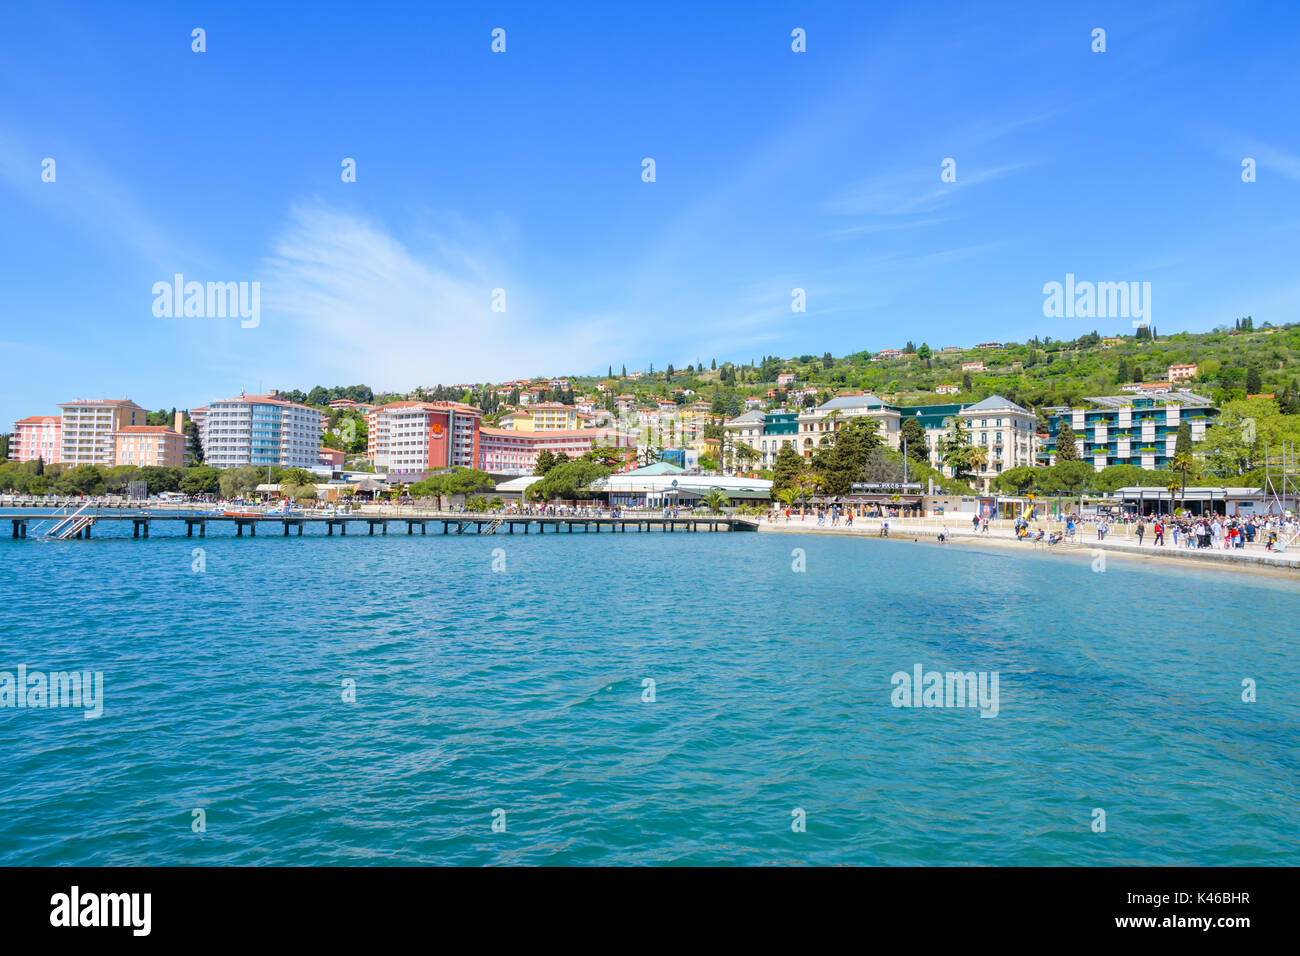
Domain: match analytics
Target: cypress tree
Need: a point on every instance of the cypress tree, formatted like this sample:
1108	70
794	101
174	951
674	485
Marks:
1066	449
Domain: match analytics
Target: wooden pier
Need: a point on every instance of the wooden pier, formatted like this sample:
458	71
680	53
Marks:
80	523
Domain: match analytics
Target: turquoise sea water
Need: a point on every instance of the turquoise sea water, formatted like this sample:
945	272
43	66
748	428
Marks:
521	689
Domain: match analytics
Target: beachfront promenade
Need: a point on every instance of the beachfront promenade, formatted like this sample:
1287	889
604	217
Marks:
1001	533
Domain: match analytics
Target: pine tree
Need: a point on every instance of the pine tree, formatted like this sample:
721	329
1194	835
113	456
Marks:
1253	384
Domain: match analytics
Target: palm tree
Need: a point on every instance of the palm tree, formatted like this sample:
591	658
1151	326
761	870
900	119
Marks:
1182	462
788	496
747	454
715	499
807	482
832	423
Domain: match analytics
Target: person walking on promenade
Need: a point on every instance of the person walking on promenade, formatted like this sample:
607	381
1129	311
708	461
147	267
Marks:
975	523
1141	530
1159	542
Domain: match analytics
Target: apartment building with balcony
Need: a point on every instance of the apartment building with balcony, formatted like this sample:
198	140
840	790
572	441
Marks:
507	452
1130	430
541	417
157	445
259	430
1006	432
415	437
37	436
86	429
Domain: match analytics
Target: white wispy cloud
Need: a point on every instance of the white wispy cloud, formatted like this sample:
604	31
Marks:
1271	158
363	304
913	191
87	195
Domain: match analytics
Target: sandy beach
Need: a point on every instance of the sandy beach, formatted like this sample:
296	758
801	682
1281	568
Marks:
1250	560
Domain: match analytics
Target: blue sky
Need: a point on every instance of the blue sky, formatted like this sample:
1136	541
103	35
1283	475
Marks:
522	171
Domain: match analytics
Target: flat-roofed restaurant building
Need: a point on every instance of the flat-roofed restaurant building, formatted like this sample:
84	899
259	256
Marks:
37	436
87	427
259	430
663	485
414	437
1239	502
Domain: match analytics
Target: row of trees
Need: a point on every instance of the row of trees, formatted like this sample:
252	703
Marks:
460	481
855	452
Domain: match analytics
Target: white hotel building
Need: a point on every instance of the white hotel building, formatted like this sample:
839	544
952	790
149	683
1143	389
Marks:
259	430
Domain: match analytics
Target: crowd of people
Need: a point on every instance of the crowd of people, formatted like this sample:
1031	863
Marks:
1207	531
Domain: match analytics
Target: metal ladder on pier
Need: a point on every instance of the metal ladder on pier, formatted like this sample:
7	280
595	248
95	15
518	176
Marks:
493	525
67	523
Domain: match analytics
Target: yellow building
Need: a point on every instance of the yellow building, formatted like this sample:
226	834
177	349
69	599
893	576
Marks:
695	416
542	417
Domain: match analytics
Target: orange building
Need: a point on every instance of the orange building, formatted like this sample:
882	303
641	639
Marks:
157	445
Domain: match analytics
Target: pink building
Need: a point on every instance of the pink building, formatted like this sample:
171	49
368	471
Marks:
331	457
39	436
502	451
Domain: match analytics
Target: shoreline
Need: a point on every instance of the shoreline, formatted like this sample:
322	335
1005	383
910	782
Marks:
1283	566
